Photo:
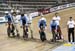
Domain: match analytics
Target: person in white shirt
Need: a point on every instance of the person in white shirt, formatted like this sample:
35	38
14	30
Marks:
15	21
57	19
29	22
70	27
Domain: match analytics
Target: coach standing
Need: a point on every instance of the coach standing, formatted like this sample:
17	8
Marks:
70	26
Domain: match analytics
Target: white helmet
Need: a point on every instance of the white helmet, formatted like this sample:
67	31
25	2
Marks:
18	11
12	11
43	18
54	18
6	12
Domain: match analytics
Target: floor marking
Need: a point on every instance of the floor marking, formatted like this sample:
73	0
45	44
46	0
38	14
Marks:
67	44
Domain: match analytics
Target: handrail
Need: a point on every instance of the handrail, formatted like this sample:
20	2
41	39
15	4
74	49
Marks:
28	8
29	2
31	5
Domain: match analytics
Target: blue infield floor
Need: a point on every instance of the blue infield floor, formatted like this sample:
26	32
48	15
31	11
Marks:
65	47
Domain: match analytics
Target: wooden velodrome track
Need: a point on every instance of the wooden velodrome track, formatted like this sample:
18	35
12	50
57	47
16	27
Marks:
14	44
